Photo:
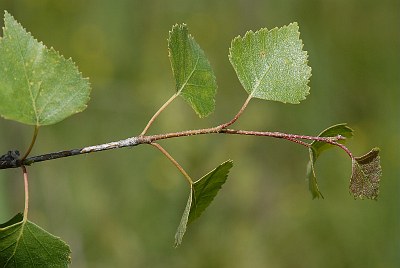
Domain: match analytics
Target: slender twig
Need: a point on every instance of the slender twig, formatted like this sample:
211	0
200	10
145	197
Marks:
308	145
26	189
162	108
10	160
134	141
286	136
293	137
35	133
179	167
344	148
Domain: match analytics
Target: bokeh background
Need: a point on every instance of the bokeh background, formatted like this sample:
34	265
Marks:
121	208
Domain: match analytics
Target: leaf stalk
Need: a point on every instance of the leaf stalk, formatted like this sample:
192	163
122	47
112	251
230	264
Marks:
134	141
35	133
176	164
26	190
236	117
162	108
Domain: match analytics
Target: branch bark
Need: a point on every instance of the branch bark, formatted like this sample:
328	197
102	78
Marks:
12	160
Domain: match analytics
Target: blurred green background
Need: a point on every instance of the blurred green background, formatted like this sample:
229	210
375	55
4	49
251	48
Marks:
121	208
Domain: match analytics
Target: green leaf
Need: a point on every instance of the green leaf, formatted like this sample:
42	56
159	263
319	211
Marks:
194	77
206	188
24	244
366	175
312	178
201	195
339	129
38	86
317	147
184	220
271	64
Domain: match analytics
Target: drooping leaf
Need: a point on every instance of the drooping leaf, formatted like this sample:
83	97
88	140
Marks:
317	147
366	175
38	86
312	178
201	195
194	77
271	64
184	220
24	244
206	188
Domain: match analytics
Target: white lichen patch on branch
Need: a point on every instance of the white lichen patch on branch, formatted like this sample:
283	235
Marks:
111	145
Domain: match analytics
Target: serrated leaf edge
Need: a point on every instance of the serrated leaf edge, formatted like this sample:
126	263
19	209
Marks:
185	220
184	27
49	50
20	225
251	33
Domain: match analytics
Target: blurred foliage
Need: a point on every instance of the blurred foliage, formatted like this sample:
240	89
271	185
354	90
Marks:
121	208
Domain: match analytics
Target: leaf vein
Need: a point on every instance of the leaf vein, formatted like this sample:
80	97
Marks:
26	76
191	73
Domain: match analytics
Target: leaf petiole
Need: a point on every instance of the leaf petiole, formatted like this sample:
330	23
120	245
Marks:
176	164
26	190
236	117
162	108
35	133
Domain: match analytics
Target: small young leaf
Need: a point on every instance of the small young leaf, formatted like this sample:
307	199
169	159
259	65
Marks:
194	77
366	175
37	85
201	195
24	244
317	147
339	129
271	64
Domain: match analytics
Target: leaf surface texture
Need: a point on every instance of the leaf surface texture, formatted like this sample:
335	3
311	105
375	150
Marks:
271	64
38	86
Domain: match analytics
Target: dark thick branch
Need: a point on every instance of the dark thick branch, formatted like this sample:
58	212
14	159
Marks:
11	159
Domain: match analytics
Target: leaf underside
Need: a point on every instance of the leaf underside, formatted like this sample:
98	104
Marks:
201	195
194	77
38	86
180	232
312	178
366	175
317	147
271	64
24	244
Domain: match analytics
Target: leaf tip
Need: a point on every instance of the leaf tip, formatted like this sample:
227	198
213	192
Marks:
7	14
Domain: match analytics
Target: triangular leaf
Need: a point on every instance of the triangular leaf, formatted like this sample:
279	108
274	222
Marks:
195	80
317	147
366	175
24	244
201	195
271	64
37	85
206	188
